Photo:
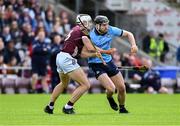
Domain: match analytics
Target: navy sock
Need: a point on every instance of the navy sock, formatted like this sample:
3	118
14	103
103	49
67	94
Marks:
51	103
70	103
121	106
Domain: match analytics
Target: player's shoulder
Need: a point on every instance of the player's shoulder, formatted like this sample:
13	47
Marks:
76	28
77	31
113	28
92	32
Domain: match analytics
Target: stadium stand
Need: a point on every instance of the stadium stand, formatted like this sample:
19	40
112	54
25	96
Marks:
8	85
21	21
0	86
23	85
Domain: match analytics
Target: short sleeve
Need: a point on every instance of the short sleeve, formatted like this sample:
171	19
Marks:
116	31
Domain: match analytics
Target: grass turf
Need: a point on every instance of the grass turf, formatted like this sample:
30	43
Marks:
91	110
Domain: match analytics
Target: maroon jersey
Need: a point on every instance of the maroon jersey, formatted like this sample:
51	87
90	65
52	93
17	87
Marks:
73	42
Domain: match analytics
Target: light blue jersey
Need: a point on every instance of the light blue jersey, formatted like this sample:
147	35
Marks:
104	42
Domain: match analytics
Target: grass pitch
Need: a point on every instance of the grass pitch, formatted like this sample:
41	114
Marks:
91	110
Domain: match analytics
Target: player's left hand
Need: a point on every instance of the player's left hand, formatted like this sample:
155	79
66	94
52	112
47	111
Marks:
134	49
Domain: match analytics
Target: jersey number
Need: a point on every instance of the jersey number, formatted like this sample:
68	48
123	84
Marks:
75	51
68	36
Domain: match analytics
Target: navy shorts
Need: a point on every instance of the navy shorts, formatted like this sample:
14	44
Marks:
40	69
99	68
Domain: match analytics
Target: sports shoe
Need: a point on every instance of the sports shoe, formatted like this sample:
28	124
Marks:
123	110
68	111
48	110
112	103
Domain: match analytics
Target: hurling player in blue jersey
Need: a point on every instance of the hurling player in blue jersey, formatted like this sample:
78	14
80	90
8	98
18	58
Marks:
109	75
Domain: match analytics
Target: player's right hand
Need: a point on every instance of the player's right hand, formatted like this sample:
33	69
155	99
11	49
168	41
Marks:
134	49
98	54
112	50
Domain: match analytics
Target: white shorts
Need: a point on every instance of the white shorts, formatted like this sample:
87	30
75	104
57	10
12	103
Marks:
66	63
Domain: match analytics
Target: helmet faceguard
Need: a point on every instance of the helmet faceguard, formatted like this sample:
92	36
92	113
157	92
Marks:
85	20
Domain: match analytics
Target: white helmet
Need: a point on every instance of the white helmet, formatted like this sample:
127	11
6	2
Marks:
85	20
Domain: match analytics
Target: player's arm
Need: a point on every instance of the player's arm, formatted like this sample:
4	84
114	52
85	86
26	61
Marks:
109	51
131	39
88	44
91	47
88	49
85	53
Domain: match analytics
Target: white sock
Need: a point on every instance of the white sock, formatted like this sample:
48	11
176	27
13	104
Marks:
51	107
68	106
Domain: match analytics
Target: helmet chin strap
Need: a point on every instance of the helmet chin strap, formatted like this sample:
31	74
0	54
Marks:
85	31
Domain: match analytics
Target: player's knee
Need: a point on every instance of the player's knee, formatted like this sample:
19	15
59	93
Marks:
87	86
111	89
122	89
64	85
35	76
150	90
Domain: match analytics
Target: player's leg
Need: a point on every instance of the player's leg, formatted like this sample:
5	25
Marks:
119	83
163	90
80	77
57	91
107	84
110	89
150	90
45	84
35	75
101	75
60	87
34	81
44	75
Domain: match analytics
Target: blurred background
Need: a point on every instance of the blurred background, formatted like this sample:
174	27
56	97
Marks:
32	33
